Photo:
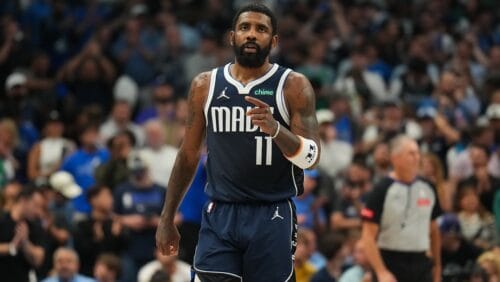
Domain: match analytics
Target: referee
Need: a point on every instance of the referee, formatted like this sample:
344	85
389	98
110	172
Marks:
399	226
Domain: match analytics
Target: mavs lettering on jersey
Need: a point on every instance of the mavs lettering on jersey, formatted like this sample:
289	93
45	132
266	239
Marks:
243	163
235	119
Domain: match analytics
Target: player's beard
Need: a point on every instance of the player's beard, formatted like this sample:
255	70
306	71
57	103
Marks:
251	60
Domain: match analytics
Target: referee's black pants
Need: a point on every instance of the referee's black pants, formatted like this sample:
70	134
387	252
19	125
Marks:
408	266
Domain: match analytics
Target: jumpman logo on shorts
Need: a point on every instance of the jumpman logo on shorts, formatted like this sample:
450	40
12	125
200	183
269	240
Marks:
277	214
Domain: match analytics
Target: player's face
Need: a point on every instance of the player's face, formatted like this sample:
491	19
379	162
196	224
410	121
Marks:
252	39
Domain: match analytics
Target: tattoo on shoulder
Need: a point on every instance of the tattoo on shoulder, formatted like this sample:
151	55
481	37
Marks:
301	98
197	86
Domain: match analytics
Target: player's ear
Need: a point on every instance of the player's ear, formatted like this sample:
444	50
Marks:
231	38
274	41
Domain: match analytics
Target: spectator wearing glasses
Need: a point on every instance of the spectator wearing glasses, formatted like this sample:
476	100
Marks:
164	109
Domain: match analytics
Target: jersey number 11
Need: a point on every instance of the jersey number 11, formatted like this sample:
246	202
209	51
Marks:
259	150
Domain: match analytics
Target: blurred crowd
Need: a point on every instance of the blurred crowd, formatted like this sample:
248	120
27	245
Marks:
93	107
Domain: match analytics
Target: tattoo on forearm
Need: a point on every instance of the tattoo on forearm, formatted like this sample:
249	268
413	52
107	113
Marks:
181	178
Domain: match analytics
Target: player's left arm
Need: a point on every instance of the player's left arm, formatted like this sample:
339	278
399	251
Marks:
300	144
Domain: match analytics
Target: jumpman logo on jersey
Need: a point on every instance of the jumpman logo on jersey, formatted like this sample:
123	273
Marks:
223	94
277	214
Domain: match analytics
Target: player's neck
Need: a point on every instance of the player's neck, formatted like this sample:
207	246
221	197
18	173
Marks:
246	75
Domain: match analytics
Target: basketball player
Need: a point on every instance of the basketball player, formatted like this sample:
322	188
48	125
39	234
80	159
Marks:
259	121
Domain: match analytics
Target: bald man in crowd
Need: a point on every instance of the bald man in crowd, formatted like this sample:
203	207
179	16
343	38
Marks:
66	266
399	221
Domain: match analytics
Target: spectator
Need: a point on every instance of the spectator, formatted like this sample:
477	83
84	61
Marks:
315	67
493	115
41	81
476	224
107	268
361	271
172	54
490	262
304	270
177	270
164	109
467	60
381	161
135	50
346	124
89	77
455	100
115	171
46	156
15	47
158	153
23	113
436	134
337	154
21	237
204	58
333	248
459	159
486	184
125	89
82	163
458	255
57	215
66	265
346	213
432	169
309	214
8	195
414	83
363	87
8	163
138	204
101	233
120	119
391	123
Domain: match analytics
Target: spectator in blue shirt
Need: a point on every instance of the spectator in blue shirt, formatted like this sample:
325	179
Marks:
309	214
138	204
82	163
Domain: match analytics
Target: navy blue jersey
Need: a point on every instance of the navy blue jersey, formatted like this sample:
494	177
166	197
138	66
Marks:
243	163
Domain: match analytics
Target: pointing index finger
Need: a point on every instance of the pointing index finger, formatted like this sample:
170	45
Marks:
256	102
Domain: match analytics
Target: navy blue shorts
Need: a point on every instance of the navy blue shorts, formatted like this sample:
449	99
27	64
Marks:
250	242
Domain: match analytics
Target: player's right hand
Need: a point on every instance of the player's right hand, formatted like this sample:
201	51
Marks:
167	238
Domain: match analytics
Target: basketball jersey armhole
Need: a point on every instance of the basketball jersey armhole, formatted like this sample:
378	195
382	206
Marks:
210	94
280	98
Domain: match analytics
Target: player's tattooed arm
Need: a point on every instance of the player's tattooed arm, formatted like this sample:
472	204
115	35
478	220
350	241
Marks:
189	152
300	99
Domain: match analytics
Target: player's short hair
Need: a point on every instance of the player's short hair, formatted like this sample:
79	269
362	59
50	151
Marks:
257	8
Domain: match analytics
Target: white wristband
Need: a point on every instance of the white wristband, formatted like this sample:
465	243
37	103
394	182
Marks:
277	130
12	250
307	154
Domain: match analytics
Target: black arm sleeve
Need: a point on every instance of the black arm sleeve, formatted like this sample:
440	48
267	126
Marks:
375	201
